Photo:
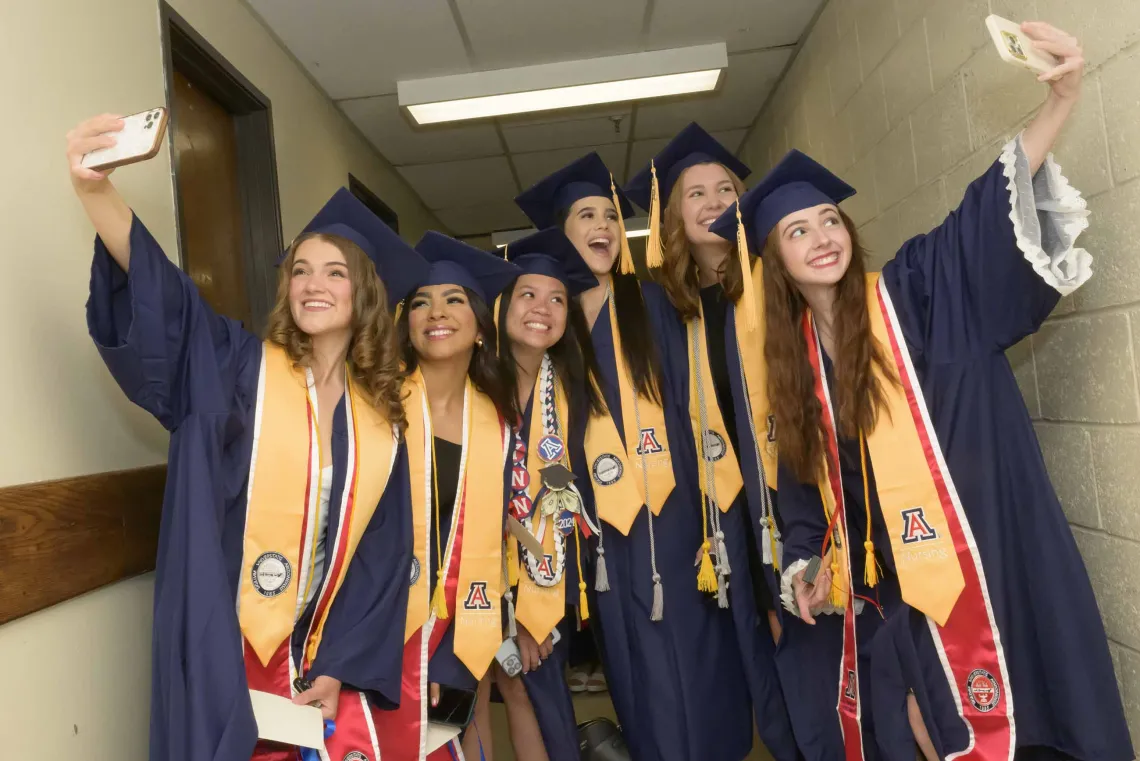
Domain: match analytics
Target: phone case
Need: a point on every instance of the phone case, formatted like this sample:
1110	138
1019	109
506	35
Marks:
139	140
1014	47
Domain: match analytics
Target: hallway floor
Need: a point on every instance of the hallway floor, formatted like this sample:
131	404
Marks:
586	706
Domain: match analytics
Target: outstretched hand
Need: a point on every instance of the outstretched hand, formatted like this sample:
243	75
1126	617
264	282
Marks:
1065	77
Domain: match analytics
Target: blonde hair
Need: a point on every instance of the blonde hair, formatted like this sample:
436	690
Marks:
373	357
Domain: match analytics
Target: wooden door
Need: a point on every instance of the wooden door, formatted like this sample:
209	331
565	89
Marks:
205	147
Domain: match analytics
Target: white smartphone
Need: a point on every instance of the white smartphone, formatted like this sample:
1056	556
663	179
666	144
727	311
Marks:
1015	47
509	658
139	140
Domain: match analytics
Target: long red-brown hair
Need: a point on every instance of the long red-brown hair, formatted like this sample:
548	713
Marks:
858	395
373	357
678	274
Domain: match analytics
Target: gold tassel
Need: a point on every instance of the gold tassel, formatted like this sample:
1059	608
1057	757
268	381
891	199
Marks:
836	589
870	565
627	267
749	294
583	606
706	577
654	257
399	311
512	562
439	601
495	312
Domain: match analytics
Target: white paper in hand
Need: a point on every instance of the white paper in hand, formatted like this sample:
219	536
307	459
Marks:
439	735
279	720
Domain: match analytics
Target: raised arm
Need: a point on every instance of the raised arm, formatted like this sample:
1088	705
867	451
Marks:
1064	90
105	208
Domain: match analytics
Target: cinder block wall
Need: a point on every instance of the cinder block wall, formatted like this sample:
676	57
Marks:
908	101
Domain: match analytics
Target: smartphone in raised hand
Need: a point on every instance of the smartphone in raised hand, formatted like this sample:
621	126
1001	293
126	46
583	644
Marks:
1015	47
139	140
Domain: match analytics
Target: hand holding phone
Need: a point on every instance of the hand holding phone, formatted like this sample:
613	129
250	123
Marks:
1015	47
454	708
137	139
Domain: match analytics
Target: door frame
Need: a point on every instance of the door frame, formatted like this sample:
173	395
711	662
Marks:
184	49
365	195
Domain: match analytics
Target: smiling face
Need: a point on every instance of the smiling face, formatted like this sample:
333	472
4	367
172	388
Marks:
592	226
320	290
706	191
441	323
536	319
815	245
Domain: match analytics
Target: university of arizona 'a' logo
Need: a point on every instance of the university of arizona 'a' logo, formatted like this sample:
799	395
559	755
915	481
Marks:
772	429
546	567
915	526
477	597
849	690
648	443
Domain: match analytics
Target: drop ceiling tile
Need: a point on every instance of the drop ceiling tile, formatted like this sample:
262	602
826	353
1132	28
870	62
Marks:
356	48
643	150
484	218
747	82
509	33
461	183
741	24
571	131
532	167
398	141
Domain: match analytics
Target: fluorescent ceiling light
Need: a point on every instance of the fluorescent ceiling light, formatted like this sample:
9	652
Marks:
570	84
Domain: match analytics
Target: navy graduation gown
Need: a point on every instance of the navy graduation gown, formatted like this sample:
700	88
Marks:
752	634
677	685
197	373
963	294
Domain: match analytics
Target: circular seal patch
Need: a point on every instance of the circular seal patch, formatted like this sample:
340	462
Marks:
715	447
355	756
415	571
607	469
983	690
271	574
551	448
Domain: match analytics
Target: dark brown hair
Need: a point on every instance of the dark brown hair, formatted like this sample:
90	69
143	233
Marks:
373	360
858	396
638	351
572	354
485	370
678	274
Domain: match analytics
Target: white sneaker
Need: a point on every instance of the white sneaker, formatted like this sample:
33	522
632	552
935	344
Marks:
596	682
578	680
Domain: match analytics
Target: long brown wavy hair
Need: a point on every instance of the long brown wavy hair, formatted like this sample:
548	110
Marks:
858	396
373	358
678	274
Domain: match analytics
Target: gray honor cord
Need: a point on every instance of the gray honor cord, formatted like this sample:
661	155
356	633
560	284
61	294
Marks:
723	569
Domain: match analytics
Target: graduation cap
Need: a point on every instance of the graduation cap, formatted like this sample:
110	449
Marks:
397	263
691	146
556	476
549	252
798	182
453	262
585	178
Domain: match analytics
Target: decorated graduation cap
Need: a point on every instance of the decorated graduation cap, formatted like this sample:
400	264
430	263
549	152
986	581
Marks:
691	146
453	262
798	182
549	252
584	178
397	263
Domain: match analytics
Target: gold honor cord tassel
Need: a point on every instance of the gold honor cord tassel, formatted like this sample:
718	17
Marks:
749	294
871	565
627	267
654	257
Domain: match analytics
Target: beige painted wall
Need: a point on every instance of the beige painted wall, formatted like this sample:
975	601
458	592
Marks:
907	101
78	675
